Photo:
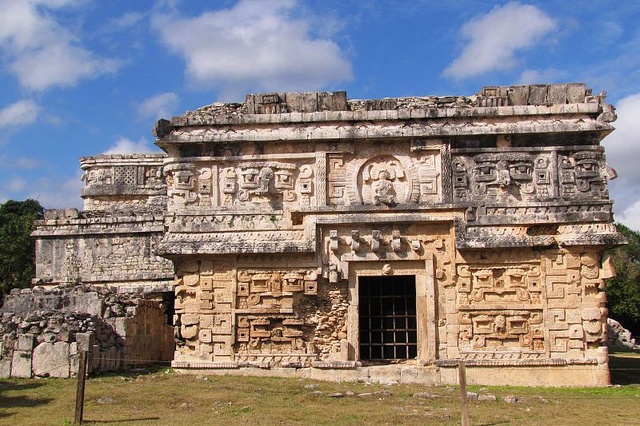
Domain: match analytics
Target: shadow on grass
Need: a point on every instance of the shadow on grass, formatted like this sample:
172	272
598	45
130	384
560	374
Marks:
139	419
624	367
21	400
134	372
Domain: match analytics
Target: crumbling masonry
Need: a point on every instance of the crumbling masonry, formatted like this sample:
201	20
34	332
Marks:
307	234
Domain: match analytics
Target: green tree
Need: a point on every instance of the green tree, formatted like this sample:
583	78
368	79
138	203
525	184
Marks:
17	247
623	291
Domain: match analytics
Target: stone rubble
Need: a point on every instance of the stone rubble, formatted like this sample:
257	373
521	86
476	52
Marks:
619	337
44	330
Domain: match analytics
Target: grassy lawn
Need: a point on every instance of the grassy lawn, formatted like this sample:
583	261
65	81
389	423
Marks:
164	398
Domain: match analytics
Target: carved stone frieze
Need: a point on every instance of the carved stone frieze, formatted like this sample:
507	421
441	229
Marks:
496	177
261	291
371	178
501	330
241	184
483	286
583	174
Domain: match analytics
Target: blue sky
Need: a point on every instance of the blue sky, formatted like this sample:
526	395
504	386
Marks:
85	77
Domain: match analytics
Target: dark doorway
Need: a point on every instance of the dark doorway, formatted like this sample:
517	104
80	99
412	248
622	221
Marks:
387	318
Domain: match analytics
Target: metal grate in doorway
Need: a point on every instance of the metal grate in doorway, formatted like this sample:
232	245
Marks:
387	318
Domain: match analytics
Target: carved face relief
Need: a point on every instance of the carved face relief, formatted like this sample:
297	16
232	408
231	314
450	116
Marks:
383	181
181	183
581	174
262	181
500	176
98	177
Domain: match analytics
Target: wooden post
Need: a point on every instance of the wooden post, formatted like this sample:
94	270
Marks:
464	408
82	373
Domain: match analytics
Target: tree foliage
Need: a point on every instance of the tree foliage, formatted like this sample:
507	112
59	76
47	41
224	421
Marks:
623	291
17	247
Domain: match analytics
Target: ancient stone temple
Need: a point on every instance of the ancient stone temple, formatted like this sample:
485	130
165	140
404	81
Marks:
308	234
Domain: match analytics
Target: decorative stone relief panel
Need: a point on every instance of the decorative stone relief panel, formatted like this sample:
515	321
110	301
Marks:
142	176
386	242
513	177
575	296
555	306
583	174
261	291
372	178
336	179
203	310
267	327
98	176
502	176
484	286
499	330
241	183
122	183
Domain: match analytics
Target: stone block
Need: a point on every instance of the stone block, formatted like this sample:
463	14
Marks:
538	94
576	93
5	367
25	342
120	326
51	360
558	94
84	341
519	95
21	364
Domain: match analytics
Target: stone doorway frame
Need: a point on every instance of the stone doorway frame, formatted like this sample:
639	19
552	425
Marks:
423	270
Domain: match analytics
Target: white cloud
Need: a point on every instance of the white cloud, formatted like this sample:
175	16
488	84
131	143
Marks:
15	184
127	20
256	45
495	38
127	146
41	52
19	114
631	216
159	106
58	192
25	163
51	191
623	151
548	75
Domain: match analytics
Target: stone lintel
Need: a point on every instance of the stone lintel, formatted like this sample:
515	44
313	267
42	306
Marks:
497	237
122	159
546	362
177	248
384	130
99	226
392	115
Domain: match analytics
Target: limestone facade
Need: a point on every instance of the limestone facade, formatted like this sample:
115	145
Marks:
312	234
112	240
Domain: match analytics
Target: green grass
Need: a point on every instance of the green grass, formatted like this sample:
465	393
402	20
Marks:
164	398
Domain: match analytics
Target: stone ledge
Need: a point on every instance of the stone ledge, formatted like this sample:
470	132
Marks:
368	129
336	365
452	363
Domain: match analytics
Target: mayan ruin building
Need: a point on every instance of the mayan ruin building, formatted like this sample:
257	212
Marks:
311	235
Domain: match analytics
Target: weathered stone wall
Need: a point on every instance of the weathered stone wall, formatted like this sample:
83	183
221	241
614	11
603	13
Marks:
44	330
113	240
280	209
108	250
123	183
497	204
